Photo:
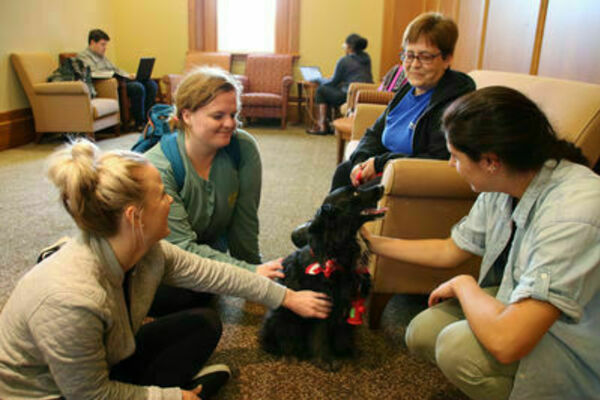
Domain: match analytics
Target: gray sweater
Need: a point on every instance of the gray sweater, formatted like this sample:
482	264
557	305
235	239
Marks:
66	324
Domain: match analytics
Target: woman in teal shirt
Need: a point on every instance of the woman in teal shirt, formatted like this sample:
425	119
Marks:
528	329
215	214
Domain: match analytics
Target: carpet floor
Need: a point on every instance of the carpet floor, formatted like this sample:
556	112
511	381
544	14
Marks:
297	170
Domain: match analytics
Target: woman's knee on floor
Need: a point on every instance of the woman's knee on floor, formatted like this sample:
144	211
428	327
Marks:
458	353
421	335
205	321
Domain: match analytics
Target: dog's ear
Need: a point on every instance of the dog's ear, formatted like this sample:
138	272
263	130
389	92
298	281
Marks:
300	235
325	212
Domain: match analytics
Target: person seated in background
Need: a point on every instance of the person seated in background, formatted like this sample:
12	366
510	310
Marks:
74	325
529	328
141	93
410	126
355	66
215	213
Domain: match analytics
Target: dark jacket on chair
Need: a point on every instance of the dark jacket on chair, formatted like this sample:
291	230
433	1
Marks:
428	140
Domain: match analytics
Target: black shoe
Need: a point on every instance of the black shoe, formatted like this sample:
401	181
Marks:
319	132
212	378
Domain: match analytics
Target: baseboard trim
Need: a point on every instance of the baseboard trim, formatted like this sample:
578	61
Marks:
16	128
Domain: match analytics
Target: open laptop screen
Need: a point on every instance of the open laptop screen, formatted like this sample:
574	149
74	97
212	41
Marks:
144	71
310	73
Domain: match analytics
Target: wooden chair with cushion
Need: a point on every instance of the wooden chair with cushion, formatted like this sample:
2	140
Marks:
358	93
195	59
65	106
426	197
267	81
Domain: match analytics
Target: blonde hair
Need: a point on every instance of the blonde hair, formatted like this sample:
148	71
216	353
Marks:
96	188
436	29
199	87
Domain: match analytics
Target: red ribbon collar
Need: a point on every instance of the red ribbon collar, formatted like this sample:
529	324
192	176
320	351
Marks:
316	268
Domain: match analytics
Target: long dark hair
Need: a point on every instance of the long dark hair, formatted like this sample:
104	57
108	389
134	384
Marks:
507	123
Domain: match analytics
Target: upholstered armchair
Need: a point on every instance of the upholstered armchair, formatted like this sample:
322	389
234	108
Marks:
194	59
426	197
267	83
358	93
64	106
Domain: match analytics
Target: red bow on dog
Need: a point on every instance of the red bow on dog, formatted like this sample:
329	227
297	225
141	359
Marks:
316	269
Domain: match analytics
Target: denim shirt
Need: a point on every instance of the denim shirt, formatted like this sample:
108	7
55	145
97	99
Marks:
555	257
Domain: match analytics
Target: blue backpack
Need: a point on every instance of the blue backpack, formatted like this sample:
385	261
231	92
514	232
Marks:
158	130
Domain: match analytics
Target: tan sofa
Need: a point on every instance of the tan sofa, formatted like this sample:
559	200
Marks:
194	59
65	106
426	197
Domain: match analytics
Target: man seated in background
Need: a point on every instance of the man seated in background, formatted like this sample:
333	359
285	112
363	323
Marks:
141	93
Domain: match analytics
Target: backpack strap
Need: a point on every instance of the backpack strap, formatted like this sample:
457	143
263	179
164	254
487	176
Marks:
168	145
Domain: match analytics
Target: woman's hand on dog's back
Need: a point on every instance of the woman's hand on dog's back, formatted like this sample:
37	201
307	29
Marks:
272	269
307	304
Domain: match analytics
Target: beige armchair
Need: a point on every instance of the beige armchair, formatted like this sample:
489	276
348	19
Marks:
65	106
426	197
267	81
358	93
194	59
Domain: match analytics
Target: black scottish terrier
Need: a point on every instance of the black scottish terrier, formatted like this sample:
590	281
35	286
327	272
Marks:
332	259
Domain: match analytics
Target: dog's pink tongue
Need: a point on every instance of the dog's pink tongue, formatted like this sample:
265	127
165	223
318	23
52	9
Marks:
375	211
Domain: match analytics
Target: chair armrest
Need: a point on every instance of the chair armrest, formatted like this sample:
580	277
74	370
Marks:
171	82
374	96
61	88
353	89
286	84
366	114
107	88
243	80
412	177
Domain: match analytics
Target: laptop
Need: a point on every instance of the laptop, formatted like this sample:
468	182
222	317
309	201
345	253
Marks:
310	73
144	71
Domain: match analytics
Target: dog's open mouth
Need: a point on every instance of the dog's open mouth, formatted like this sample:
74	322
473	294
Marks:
374	211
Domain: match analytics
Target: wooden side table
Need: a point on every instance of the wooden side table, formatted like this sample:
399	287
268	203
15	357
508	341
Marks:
309	89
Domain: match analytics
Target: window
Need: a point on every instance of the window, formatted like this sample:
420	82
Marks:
246	26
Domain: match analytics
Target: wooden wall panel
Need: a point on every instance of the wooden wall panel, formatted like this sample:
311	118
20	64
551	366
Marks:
397	16
470	23
570	47
16	128
510	35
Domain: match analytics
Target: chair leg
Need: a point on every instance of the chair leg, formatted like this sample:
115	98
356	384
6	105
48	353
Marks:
341	144
38	136
376	306
283	122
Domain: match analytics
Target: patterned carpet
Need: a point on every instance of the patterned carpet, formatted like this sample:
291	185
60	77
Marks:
297	172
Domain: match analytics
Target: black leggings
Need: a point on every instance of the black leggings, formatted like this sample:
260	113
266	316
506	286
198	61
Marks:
172	349
330	95
171	299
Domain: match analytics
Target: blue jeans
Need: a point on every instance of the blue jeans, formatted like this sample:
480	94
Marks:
141	97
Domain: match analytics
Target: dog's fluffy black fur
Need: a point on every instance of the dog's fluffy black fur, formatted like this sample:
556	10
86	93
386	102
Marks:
331	235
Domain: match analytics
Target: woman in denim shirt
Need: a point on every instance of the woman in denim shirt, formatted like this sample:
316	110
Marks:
529	328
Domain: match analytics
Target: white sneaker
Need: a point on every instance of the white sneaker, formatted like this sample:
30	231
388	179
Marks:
212	378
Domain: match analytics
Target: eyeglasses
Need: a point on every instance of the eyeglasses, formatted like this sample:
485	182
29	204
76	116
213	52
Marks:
424	58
